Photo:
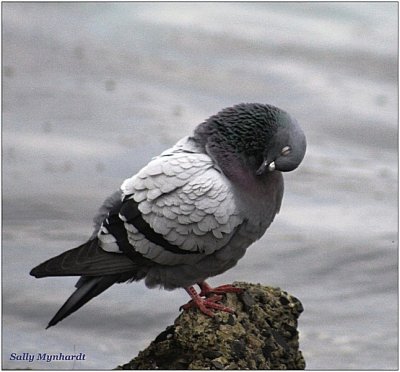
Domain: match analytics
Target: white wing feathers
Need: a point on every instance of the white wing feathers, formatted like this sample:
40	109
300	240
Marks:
185	199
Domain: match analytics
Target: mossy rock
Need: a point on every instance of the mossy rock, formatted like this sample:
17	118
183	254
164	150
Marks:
262	334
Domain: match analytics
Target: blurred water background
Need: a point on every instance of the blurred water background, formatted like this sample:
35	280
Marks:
91	91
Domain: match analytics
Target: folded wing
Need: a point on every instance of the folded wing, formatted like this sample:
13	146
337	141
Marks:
177	209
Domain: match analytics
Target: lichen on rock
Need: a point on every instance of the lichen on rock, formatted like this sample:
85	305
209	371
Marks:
262	334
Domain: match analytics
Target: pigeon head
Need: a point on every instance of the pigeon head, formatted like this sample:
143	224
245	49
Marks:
286	148
263	138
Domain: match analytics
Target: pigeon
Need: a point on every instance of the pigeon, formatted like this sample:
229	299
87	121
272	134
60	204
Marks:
191	212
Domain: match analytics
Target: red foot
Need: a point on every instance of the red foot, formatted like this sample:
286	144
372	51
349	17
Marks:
205	304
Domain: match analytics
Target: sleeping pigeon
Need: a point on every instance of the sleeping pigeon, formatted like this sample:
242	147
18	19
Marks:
190	213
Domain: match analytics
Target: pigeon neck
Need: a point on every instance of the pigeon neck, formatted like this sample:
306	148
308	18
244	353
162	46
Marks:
248	182
242	175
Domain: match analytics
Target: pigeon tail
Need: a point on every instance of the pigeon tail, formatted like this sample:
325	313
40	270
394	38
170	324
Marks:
87	288
89	260
98	269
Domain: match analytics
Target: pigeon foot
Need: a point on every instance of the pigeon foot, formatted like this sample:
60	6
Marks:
209	302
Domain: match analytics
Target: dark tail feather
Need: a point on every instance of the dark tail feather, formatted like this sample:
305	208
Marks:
87	288
98	270
89	259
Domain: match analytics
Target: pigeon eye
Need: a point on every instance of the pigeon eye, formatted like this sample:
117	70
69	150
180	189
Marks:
286	151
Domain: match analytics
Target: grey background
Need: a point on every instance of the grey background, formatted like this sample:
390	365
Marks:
91	91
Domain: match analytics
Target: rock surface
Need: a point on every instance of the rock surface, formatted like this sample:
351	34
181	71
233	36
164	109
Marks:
261	335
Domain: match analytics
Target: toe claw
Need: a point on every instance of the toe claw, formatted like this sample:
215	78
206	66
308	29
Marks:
206	304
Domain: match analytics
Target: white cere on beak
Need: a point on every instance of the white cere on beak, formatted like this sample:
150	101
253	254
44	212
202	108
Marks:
264	166
271	166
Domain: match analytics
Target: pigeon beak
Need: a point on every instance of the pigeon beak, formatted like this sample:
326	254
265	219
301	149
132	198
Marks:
271	166
266	165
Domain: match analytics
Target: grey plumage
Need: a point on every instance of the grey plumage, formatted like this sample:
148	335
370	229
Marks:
192	212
